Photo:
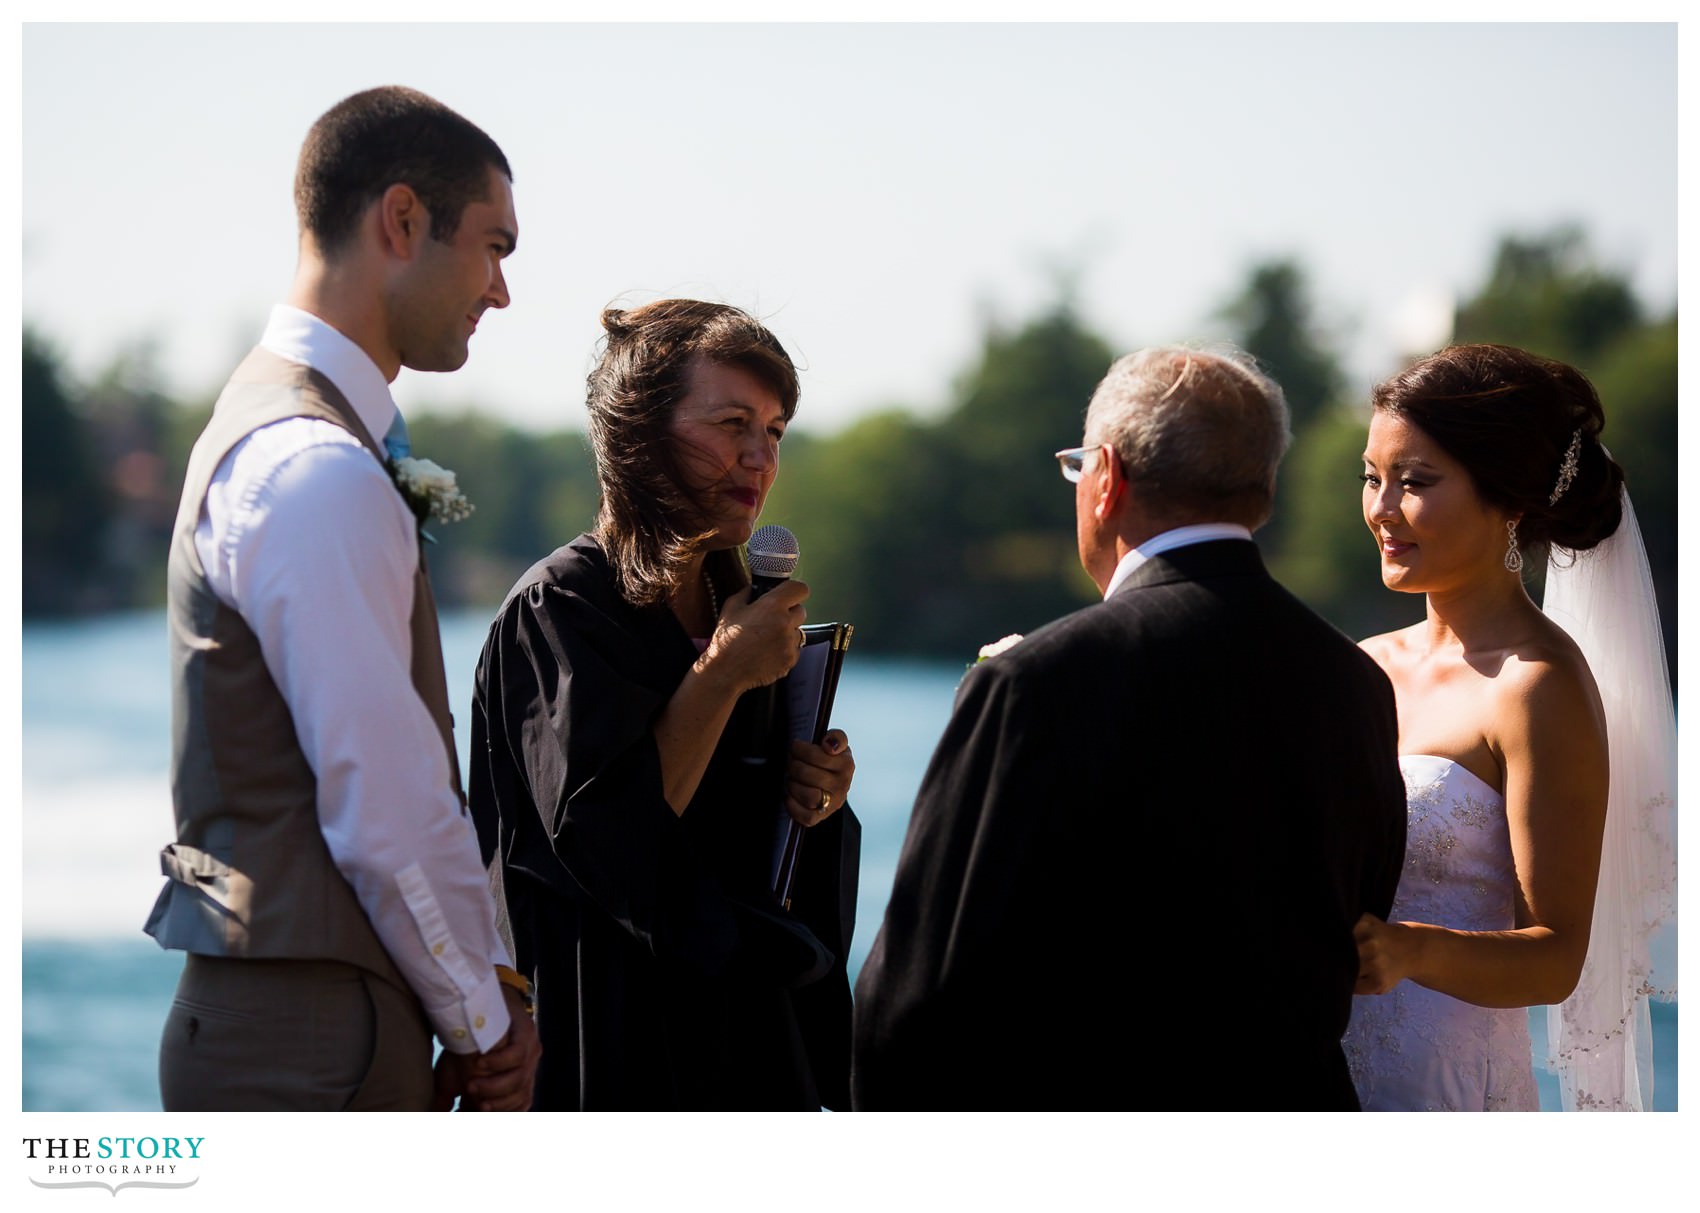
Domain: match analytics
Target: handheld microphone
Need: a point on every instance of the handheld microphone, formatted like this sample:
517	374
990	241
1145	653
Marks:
773	556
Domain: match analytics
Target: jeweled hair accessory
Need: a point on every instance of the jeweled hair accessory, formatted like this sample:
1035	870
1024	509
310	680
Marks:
1567	469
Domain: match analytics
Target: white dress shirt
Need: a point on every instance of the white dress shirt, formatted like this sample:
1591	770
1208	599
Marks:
304	535
1168	541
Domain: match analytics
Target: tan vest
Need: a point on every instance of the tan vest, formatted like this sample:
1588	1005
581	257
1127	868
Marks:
250	874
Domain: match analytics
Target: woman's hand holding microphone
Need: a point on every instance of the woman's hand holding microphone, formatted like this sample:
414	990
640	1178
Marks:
756	641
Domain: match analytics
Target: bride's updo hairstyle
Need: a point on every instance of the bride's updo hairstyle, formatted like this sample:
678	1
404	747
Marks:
1512	418
649	523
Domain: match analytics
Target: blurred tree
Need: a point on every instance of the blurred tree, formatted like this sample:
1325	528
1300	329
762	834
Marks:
933	536
132	419
66	506
1009	520
939	536
1273	320
531	493
1545	293
863	504
185	424
1002	552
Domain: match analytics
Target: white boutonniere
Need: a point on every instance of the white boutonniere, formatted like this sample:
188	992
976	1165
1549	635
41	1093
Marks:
998	646
429	490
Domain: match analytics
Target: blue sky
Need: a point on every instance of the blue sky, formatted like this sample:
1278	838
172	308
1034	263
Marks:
875	191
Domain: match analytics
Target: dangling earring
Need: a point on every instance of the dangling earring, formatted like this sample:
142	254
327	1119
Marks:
1513	557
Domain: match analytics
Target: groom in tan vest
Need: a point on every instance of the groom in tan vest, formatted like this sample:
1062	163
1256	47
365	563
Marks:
325	881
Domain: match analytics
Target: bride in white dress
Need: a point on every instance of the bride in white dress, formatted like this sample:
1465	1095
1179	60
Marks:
1475	455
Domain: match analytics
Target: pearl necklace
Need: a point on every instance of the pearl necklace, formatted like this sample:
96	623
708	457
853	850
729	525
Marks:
713	599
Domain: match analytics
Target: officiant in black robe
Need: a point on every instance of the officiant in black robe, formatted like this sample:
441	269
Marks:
631	841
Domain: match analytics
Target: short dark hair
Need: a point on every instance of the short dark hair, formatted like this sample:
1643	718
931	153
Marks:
1510	418
386	136
649	523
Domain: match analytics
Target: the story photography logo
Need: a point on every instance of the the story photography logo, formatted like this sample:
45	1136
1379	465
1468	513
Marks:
113	1162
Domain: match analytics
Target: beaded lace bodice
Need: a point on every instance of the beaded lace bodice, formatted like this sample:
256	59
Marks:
1413	1048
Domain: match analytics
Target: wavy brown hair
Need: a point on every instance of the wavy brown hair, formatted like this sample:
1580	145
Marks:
649	522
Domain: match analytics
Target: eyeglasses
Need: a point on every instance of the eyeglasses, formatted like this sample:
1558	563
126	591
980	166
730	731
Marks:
1073	461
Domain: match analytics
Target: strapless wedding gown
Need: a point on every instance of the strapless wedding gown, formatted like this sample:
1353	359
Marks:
1413	1049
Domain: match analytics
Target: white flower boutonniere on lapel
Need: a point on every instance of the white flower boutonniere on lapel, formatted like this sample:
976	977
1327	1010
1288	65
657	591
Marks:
992	650
998	646
429	490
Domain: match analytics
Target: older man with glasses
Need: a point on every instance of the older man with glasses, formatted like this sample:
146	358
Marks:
1134	864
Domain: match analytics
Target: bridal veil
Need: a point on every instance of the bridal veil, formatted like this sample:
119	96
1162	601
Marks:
1600	1038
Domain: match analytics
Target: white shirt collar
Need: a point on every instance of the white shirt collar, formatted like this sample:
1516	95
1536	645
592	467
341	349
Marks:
303	338
1168	541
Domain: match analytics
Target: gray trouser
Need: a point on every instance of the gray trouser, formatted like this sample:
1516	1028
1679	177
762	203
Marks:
292	1035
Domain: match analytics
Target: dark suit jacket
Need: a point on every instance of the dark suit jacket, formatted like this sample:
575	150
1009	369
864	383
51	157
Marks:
1135	861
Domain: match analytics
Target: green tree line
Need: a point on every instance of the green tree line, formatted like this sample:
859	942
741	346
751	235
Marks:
932	532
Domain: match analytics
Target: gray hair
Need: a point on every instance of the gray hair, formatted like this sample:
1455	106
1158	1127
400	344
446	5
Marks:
1200	433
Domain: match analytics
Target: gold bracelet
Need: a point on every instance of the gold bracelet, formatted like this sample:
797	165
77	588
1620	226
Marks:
515	980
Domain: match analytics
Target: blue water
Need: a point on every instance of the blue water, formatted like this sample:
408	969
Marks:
96	808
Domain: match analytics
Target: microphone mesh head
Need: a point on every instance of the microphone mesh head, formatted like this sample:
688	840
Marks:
773	552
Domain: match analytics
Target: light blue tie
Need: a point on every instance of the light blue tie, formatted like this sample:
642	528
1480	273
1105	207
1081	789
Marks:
396	444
